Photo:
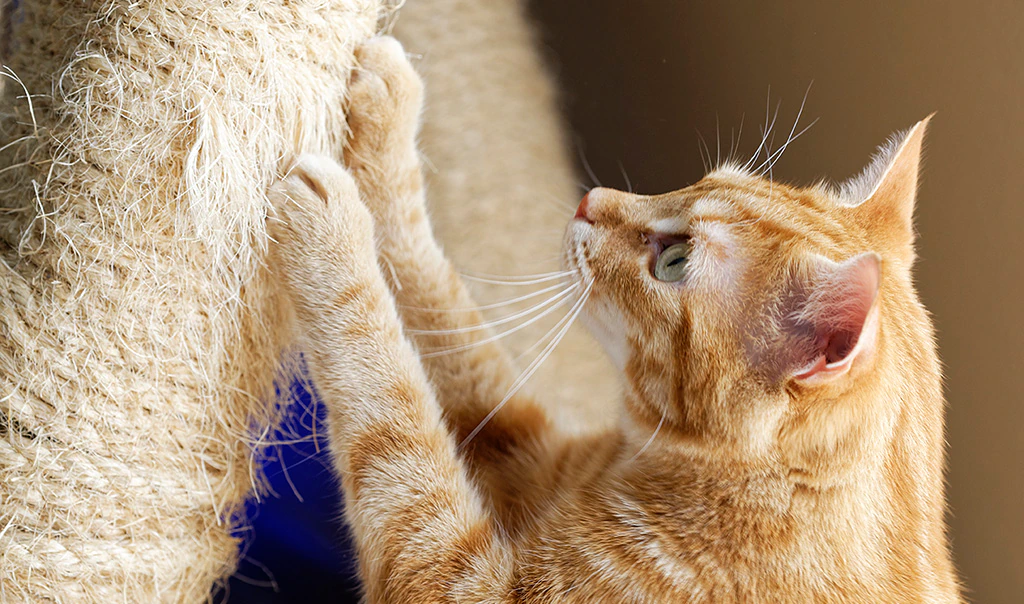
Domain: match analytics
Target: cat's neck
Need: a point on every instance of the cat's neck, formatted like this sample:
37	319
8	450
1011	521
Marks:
882	522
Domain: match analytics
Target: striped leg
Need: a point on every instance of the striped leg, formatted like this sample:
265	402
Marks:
420	529
477	376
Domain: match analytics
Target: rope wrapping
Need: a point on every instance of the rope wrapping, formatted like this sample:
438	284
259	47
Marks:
139	335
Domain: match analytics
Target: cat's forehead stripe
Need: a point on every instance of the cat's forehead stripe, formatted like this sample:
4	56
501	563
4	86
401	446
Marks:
727	187
708	208
676	224
774	207
705	209
777	211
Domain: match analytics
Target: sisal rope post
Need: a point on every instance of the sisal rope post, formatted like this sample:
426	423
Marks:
139	336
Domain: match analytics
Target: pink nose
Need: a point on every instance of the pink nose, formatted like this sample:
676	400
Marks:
581	211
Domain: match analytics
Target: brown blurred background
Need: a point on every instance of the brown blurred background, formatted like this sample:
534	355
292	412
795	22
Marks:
641	78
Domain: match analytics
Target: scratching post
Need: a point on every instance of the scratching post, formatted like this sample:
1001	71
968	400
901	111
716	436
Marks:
138	335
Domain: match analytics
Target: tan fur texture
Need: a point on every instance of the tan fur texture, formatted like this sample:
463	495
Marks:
138	330
737	474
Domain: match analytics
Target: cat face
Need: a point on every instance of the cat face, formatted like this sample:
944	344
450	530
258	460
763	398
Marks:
737	306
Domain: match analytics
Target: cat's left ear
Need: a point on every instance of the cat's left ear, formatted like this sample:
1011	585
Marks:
883	195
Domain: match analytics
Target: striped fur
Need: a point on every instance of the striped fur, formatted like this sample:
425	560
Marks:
728	479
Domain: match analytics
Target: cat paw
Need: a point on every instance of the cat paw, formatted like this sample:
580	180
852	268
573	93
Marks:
385	96
318	224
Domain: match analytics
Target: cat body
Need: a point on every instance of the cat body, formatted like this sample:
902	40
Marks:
781	434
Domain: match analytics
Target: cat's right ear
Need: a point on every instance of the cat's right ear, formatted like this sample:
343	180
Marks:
829	321
883	195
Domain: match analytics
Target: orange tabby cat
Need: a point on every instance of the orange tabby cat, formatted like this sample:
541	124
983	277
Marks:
781	438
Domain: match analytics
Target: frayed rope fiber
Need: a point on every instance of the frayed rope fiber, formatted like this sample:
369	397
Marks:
139	335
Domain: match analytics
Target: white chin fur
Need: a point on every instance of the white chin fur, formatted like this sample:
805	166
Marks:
606	327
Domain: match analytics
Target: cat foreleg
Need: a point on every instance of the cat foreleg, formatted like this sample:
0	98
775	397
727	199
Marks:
419	526
471	373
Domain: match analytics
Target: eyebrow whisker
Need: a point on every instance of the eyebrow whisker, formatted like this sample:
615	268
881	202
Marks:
774	157
766	132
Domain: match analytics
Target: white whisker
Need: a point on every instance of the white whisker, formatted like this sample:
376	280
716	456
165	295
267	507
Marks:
542	340
764	132
516	280
510	302
502	321
586	164
718	142
557	204
532	368
774	157
702	146
739	137
517	277
495	337
767	132
651	439
783	148
625	177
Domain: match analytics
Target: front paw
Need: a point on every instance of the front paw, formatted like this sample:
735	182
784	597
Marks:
385	96
322	231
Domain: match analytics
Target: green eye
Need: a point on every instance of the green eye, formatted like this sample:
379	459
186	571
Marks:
671	263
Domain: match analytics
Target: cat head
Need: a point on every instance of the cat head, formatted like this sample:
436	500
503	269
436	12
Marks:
758	321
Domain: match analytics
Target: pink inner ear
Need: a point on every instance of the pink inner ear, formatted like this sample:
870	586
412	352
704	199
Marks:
840	310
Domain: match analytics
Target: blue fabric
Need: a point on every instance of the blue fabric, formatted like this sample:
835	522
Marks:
296	548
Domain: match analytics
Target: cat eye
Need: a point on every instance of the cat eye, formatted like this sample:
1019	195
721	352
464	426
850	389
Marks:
671	263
